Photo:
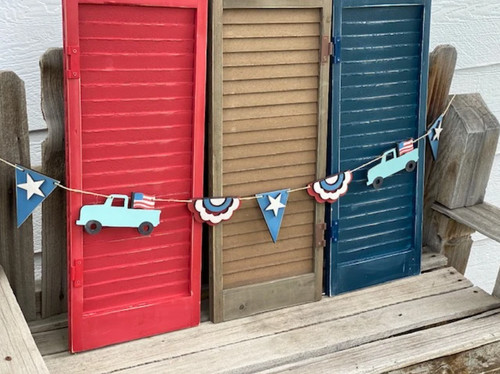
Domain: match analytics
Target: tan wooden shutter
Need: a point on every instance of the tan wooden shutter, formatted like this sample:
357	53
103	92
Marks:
269	87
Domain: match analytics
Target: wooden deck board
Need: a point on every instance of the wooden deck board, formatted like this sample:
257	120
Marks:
18	352
432	261
51	334
250	356
420	348
210	337
410	323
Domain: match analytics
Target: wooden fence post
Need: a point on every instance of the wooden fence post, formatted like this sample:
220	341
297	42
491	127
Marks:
459	177
16	245
442	62
54	284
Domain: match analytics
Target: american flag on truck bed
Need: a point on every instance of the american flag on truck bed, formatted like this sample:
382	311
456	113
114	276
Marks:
142	201
405	147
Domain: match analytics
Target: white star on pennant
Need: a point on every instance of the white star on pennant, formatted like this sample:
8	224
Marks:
437	131
275	204
32	187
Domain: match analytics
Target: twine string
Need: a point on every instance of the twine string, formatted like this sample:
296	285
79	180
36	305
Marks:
243	198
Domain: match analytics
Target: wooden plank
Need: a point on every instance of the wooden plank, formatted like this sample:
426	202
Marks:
466	151
269	185
452	239
251	251
235	4
484	218
268	111
268	260
257	150
468	346
272	31
16	244
269	273
262	237
51	342
433	261
271	44
248	300
54	283
496	287
271	98
330	336
321	155
442	63
283	160
275	85
270	58
18	351
275	173
214	102
208	335
300	120
272	16
47	324
270	72
271	135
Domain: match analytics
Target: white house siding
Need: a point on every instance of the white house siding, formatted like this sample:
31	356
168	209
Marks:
29	27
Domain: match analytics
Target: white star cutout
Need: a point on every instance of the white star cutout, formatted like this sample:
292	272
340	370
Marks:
437	131
32	187
275	204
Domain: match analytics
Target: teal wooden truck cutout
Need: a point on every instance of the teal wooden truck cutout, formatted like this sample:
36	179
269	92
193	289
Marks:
390	164
95	217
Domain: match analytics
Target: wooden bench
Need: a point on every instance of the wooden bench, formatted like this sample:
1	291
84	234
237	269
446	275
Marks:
18	351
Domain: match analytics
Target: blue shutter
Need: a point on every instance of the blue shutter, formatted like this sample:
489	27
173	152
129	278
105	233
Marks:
378	99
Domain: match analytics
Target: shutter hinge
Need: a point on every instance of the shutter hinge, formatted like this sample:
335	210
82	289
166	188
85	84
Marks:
73	62
337	49
334	231
320	235
326	49
77	273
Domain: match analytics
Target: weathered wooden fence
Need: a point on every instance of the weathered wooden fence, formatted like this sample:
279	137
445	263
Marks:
16	245
455	184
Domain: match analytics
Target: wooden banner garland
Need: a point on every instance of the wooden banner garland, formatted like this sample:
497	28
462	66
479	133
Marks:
32	188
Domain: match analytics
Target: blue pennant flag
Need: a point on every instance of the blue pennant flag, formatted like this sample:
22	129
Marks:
31	189
272	206
434	134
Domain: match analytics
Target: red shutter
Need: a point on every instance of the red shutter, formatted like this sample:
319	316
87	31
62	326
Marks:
135	86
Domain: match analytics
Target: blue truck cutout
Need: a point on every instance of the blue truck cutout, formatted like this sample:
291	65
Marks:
95	217
390	164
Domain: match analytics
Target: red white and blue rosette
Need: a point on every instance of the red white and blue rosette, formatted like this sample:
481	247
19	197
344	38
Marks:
214	210
329	189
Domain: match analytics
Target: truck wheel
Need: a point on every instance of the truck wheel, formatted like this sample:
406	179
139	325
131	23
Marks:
377	183
145	228
410	166
93	227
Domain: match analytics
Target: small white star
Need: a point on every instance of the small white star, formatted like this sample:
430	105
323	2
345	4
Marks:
275	204
437	131
32	187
